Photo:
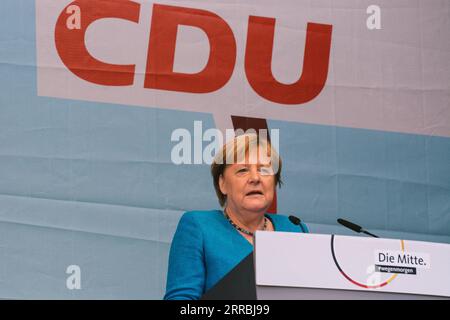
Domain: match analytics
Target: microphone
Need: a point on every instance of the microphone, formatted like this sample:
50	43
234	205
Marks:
297	222
355	227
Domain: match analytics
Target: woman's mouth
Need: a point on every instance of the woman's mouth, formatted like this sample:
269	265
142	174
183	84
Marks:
254	193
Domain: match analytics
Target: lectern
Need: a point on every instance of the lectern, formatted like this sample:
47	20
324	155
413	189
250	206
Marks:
313	266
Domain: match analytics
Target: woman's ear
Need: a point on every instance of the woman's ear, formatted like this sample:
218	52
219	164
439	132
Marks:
222	186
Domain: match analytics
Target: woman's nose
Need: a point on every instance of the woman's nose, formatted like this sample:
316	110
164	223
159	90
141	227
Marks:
254	175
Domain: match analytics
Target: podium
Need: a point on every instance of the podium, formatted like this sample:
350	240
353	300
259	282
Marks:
296	266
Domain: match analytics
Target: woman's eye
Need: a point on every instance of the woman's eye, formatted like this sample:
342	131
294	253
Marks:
243	170
266	170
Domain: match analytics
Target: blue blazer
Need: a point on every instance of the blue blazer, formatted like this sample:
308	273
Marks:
205	248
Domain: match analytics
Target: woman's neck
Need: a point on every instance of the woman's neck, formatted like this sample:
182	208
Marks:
250	220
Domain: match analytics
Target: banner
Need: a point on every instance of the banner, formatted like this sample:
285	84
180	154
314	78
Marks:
319	64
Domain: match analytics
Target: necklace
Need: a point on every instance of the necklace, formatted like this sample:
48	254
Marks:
241	229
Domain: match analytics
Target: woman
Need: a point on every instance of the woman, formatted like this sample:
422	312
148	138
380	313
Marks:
208	244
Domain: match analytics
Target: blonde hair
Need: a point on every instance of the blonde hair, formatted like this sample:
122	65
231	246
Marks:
245	148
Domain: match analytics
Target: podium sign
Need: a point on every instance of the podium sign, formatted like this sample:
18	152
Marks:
353	266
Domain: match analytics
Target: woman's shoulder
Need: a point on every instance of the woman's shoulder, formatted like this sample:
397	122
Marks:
195	225
282	223
205	222
279	218
202	216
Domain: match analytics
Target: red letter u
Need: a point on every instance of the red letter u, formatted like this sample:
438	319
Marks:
258	61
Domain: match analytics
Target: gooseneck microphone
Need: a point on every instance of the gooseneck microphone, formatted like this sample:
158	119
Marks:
355	227
297	222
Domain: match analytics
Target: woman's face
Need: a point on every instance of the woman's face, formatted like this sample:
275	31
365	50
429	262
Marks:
248	187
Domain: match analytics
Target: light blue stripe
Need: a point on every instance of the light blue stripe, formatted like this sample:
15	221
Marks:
382	180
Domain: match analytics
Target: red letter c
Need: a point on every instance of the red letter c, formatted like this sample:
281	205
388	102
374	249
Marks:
71	47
